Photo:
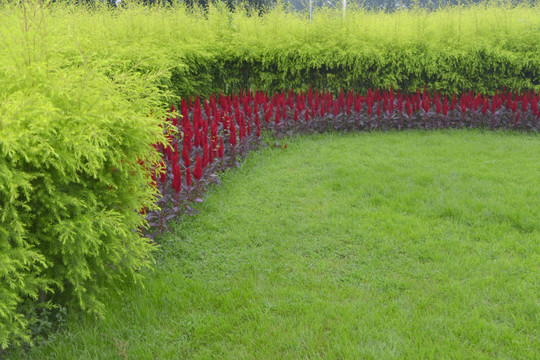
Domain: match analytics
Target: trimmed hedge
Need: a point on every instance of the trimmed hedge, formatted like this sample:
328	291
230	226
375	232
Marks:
205	51
452	50
480	69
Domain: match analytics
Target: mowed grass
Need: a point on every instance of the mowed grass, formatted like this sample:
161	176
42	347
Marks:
365	246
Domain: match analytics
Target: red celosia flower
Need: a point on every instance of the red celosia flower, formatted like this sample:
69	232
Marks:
221	148
232	135
185	154
197	172
463	103
177	178
438	106
494	104
408	107
277	117
425	101
268	113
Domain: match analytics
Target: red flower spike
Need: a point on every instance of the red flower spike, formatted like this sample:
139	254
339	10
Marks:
494	104
524	103
463	103
197	172
221	148
232	135
485	106
278	116
177	178
185	154
425	102
408	107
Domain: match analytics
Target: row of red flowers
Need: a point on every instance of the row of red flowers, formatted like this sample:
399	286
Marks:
208	136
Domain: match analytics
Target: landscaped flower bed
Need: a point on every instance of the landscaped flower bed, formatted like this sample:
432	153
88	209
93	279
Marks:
212	135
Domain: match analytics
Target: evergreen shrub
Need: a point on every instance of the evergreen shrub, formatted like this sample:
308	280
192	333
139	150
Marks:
76	147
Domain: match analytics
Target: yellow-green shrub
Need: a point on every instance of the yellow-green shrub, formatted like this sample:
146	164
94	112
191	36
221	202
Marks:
482	47
73	130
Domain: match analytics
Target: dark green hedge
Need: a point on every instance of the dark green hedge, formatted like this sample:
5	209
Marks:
480	69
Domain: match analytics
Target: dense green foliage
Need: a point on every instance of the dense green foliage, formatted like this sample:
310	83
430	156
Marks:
73	127
481	48
409	245
450	51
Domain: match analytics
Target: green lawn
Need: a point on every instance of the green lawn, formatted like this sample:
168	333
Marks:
365	246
